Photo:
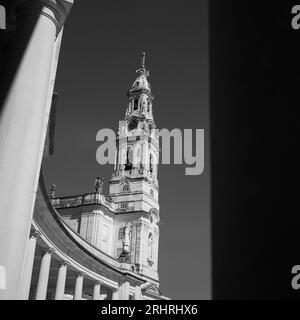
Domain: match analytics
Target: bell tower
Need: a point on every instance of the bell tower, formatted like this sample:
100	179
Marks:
134	185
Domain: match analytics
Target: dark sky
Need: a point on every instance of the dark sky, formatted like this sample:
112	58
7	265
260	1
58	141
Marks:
100	52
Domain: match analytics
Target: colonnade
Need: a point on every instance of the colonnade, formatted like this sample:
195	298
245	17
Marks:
121	293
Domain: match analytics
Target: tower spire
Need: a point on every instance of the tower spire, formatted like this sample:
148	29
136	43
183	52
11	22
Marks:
141	71
143	58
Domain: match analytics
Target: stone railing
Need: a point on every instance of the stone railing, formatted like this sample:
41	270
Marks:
80	200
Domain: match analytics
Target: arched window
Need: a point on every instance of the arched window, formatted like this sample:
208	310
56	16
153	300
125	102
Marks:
121	233
129	160
151	163
136	104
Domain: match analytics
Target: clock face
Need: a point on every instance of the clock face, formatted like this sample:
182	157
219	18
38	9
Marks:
132	125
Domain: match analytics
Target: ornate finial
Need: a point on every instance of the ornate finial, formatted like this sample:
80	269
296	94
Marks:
98	185
52	192
142	70
143	57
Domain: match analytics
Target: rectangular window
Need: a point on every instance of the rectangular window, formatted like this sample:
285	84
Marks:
124	205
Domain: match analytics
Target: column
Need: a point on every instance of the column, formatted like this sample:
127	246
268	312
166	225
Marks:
115	295
61	281
29	260
138	293
21	126
96	292
78	286
41	291
124	290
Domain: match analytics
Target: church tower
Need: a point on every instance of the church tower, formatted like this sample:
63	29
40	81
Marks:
133	187
134	184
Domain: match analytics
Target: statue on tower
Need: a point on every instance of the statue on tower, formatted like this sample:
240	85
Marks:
126	240
125	255
99	185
